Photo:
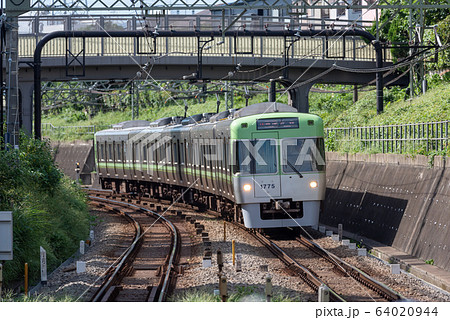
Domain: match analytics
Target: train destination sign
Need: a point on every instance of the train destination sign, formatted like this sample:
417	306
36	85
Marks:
277	123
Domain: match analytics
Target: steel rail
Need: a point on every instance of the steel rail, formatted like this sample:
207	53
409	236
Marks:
173	257
167	275
386	292
124	257
311	279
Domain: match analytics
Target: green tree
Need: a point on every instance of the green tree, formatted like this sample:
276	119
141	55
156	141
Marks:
396	24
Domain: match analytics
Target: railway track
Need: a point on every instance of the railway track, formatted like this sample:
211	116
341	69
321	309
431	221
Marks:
348	270
315	279
146	270
339	268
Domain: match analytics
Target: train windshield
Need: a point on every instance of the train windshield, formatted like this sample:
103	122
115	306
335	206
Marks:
256	156
303	155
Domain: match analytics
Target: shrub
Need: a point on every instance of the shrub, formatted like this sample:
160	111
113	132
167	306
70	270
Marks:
49	210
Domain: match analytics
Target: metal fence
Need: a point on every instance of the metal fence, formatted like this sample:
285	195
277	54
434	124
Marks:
33	28
422	138
50	130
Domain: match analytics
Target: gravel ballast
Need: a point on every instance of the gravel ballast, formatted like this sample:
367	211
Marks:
256	264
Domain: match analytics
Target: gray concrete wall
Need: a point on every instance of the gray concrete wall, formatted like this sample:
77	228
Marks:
397	200
67	154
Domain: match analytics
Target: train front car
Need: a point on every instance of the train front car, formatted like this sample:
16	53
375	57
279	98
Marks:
279	166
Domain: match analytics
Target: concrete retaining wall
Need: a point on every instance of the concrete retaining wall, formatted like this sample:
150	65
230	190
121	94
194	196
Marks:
399	201
67	154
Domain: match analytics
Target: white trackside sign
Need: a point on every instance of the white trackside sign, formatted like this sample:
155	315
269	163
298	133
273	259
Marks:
6	235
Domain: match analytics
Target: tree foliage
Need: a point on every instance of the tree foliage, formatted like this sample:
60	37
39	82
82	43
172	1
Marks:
395	25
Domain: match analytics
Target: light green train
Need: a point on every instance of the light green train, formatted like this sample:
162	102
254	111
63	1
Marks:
263	165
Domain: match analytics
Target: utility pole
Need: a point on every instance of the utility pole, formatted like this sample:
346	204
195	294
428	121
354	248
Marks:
12	81
132	100
416	32
13	116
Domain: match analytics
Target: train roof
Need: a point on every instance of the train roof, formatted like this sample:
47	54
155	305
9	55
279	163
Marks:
254	109
263	108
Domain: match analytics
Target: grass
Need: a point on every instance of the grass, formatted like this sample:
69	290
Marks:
9	296
432	106
49	209
336	109
240	294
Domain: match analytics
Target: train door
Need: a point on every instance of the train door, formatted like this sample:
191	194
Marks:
228	163
102	158
173	161
153	163
120	159
197	165
204	165
114	156
162	163
179	158
215	167
144	158
212	173
220	165
184	162
137	160
266	177
168	162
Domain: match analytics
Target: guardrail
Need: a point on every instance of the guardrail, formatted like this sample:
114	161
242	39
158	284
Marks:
422	138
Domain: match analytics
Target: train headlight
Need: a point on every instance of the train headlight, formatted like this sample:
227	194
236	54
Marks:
247	187
313	184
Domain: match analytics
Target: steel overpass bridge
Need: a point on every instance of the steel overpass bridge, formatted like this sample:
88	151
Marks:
232	42
296	57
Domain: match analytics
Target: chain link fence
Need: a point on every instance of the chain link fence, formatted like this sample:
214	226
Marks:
71	132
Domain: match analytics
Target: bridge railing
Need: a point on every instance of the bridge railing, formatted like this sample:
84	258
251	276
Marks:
32	29
415	138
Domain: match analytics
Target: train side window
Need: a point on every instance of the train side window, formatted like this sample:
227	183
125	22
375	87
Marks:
144	153
153	153
182	154
176	151
119	153
202	155
137	156
195	154
102	151
110	153
187	152
226	154
165	153
170	155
